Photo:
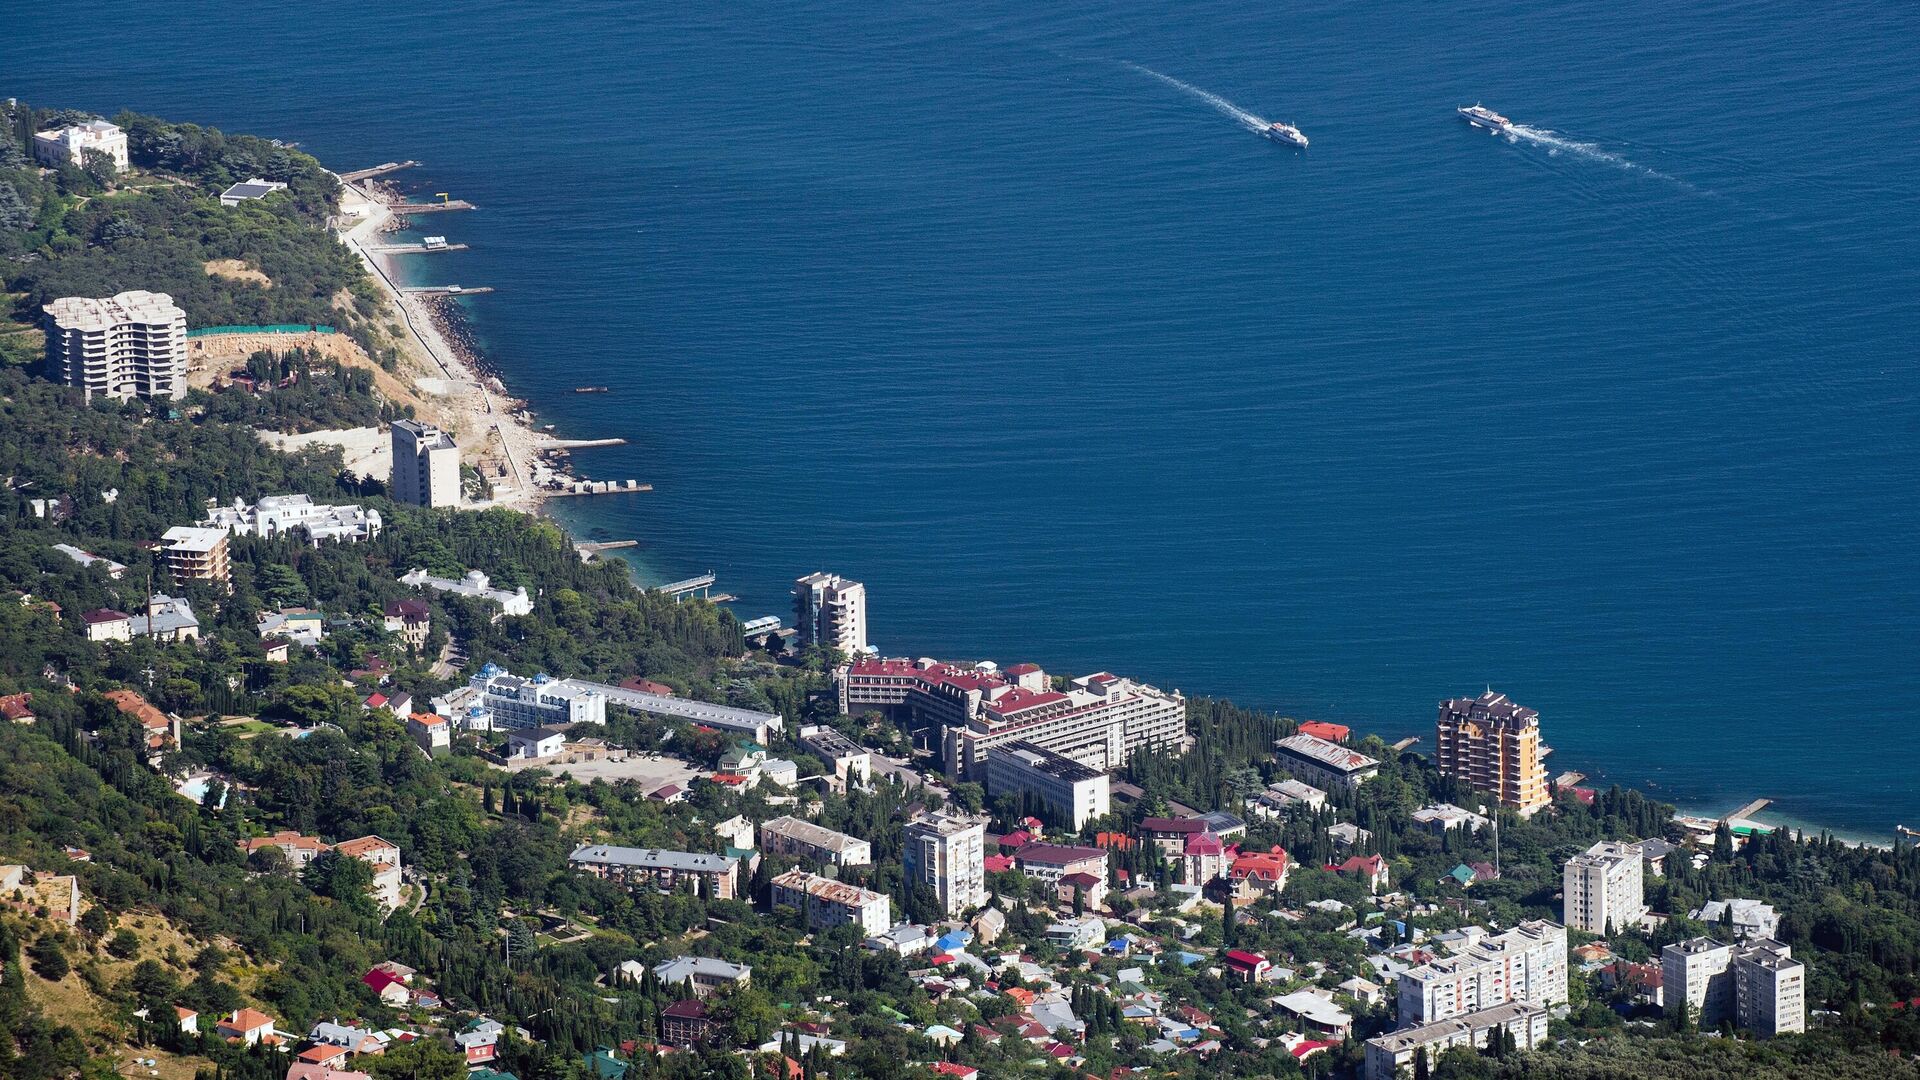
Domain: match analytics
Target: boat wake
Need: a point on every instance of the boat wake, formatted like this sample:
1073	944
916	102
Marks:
1221	105
1556	143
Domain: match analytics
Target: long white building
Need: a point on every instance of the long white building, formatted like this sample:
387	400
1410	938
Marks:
1602	888
517	703
831	611
1388	1054
803	839
948	855
279	515
133	345
1757	985
829	903
473	584
1073	792
1527	964
1326	764
69	145
1099	720
426	465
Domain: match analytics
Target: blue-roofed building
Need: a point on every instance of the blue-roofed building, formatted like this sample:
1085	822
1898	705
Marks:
954	940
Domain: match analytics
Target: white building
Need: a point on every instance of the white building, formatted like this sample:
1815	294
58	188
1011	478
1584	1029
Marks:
1075	793
384	857
250	190
1389	1054
68	145
280	515
1758	986
476	585
1602	888
426	465
1086	932
817	843
1437	818
1751	919
166	619
1326	764
514	703
831	612
829	903
948	854
1281	797
850	761
524	744
1526	964
87	558
302	626
132	345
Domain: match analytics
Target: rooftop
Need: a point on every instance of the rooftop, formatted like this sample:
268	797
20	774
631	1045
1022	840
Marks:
650	858
1047	763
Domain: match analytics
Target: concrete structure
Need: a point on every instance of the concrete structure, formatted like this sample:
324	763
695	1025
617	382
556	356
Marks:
1751	919
804	839
850	761
1051	862
831	612
166	619
299	850
426	465
701	975
1526	964
1324	764
717	875
133	345
302	626
1283	796
249	191
433	733
1757	986
282	515
759	726
1074	793
514	702
476	585
1388	1054
1099	720
384	857
948	854
1602	888
1493	745
1086	932
68	146
528	744
197	554
1437	818
828	903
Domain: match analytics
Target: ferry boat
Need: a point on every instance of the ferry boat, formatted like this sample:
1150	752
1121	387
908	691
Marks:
1286	133
592	389
1482	117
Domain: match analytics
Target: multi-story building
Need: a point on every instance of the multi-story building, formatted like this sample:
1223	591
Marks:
1602	888
700	974
426	465
384	857
197	554
66	146
1493	745
1323	763
663	870
1389	1054
1051	862
851	762
831	612
433	733
1757	986
514	702
948	854
474	584
829	903
1099	720
132	345
279	515
1074	793
816	843
299	850
1750	919
1526	964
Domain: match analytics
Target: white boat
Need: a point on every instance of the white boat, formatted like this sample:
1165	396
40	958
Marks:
1482	117
1285	133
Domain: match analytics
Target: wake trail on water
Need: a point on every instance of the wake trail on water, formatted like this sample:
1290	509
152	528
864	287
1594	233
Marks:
1557	143
1220	105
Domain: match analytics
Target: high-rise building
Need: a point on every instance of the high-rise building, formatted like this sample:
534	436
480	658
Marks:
1494	746
69	145
197	554
132	345
831	612
1072	792
426	465
948	855
1527	963
1602	888
1758	986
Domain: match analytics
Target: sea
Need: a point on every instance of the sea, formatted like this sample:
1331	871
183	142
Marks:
1006	310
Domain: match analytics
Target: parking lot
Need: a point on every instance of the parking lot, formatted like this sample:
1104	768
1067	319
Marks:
647	771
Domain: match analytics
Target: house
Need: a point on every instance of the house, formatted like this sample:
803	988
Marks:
277	650
1462	876
384	857
162	729
989	925
1203	858
702	975
247	1027
167	619
480	1042
1091	890
1082	933
1051	862
1348	835
1265	869
1316	1012
432	732
1437	818
17	708
1369	870
1361	990
411	619
344	1038
299	850
249	190
1320	729
391	989
668	793
105	624
399	703
115	570
604	1064
1750	918
685	1023
187	1019
534	743
953	1070
1246	966
903	940
302	625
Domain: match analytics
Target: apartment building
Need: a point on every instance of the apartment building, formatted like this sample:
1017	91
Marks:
1072	792
67	146
850	762
1602	888
831	611
1526	964
717	875
133	345
1099	720
1051	862
948	854
816	843
1389	1054
197	554
426	465
1493	745
829	903
283	515
1758	986
1324	764
514	702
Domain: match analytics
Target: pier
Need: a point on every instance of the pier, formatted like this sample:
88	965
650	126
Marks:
608	545
1406	742
1749	810
412	249
430	207
577	444
377	170
596	487
445	290
682	589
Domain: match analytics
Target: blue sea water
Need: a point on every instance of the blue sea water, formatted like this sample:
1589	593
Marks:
978	304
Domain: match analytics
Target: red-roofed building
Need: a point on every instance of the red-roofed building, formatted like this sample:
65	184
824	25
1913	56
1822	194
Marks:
1320	729
1246	966
996	864
1051	862
1169	834
1092	890
1266	869
646	686
387	986
1203	858
1370	869
17	708
955	1070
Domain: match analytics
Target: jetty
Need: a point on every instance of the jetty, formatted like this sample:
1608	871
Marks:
596	487
687	587
576	444
413	249
608	545
1748	810
445	290
1406	742
430	207
377	170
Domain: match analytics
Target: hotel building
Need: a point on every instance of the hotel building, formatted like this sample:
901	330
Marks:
1758	986
1074	793
948	855
1526	964
426	465
1493	745
279	515
1602	888
831	612
518	703
829	903
663	870
817	843
1325	764
131	346
1099	720
66	146
197	554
